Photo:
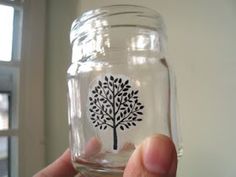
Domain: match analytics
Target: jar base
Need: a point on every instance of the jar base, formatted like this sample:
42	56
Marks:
93	170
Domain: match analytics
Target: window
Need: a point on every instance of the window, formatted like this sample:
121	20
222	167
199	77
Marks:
21	87
10	21
4	141
6	31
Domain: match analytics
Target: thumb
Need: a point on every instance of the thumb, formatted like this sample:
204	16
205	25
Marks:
155	157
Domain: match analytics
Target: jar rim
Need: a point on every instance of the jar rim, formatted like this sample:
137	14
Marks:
144	17
107	11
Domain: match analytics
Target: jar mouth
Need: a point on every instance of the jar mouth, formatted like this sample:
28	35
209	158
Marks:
107	17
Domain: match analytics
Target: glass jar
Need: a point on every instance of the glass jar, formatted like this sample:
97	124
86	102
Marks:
120	87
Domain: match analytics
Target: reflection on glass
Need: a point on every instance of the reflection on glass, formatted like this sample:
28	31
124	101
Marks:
146	40
6	32
4	157
4	111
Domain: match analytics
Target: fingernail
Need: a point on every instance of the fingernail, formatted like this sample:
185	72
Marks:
157	154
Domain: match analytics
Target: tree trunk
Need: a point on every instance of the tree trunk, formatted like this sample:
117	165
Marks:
114	139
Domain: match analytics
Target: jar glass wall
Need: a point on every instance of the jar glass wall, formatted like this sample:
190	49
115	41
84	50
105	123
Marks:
120	87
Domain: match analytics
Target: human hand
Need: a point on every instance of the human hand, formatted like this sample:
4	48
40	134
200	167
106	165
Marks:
155	157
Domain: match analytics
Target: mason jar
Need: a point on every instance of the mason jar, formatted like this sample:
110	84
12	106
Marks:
121	88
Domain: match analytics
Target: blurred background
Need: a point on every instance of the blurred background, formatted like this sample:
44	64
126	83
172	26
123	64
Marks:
202	48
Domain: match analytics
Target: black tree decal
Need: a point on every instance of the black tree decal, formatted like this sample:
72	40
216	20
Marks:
114	104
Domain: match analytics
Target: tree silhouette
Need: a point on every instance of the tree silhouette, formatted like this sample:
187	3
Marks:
113	103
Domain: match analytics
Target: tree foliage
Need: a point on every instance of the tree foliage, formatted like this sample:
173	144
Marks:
113	103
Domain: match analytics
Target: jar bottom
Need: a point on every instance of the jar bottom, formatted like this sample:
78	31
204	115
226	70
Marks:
86	169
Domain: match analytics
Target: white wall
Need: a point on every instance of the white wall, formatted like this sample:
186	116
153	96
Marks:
202	45
60	14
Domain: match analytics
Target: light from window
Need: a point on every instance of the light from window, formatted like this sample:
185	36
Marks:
4	158
6	32
4	111
4	141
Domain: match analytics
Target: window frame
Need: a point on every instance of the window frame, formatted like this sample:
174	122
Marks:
28	88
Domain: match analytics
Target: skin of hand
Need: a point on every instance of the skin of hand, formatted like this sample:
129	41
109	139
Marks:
155	157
